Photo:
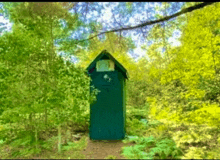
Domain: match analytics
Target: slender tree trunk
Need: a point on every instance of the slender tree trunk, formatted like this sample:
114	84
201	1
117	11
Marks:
59	138
45	112
36	137
30	120
47	88
54	84
29	89
59	133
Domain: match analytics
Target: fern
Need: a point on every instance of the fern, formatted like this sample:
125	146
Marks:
147	140
135	152
140	140
131	139
138	151
70	145
166	148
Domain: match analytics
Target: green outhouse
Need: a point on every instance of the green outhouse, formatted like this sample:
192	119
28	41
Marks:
107	113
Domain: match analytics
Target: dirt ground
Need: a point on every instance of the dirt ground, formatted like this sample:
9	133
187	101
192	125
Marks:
100	149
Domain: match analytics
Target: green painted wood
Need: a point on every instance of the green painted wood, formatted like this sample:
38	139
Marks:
122	82
107	113
124	102
106	55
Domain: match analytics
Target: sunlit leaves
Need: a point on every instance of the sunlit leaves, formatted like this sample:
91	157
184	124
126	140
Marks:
40	89
114	44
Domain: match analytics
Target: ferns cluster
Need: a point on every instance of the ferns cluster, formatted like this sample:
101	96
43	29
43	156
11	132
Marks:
150	147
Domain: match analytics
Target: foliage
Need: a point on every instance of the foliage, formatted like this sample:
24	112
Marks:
39	90
195	153
166	148
114	44
135	127
149	147
136	93
78	145
136	120
171	90
187	80
137	112
110	157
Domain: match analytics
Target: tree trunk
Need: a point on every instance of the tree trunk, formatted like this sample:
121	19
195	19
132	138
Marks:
36	137
45	109
59	138
30	121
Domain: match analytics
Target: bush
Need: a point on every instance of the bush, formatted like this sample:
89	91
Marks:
135	127
137	113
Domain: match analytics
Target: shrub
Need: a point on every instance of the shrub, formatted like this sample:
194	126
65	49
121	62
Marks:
135	127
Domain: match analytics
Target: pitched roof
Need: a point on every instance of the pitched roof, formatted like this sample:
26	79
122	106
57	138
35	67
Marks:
106	53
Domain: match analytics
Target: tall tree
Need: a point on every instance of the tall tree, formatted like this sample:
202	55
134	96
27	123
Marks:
40	88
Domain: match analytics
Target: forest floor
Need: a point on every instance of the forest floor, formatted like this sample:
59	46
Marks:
83	148
104	149
89	149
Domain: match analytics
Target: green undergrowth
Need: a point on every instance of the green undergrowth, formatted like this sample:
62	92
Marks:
169	138
149	137
23	145
163	139
151	147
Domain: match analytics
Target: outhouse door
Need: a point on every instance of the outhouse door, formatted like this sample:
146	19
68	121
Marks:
106	114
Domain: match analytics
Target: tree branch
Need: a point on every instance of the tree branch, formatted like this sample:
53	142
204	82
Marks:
166	18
